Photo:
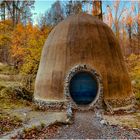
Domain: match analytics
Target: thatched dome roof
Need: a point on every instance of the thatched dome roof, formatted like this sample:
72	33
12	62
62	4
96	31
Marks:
81	39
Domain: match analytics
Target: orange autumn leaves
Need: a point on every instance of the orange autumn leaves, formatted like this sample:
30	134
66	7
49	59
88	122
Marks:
19	41
18	46
26	46
21	46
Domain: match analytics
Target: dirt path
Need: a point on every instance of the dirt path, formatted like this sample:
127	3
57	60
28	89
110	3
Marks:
88	125
34	119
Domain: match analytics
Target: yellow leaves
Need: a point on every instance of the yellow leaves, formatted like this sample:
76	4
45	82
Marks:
133	57
18	43
27	45
17	51
5	26
20	28
4	40
30	28
23	44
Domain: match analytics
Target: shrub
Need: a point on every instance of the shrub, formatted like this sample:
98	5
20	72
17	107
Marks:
16	92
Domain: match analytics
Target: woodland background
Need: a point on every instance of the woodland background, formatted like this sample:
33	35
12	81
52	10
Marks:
21	40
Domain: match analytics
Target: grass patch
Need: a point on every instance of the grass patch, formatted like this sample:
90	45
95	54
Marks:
132	124
137	116
14	96
9	104
6	69
15	92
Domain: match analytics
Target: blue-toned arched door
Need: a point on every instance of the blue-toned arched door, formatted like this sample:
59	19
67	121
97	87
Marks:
83	88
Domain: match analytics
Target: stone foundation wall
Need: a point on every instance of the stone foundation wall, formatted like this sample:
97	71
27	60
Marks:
62	105
98	103
50	105
122	104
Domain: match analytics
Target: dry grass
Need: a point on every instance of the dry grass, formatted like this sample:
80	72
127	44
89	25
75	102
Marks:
6	69
129	120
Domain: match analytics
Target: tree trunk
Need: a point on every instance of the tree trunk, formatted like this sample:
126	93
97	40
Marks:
97	9
13	18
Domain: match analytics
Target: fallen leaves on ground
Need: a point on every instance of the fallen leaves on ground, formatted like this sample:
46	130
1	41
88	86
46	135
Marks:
39	132
8	123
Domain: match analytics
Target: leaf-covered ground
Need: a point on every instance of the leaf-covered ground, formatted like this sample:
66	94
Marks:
8	122
39	132
86	126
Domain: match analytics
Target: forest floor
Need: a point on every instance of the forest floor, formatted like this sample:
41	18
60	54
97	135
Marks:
30	119
87	125
18	115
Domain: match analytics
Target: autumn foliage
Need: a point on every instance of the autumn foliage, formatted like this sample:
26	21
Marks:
5	39
125	22
23	45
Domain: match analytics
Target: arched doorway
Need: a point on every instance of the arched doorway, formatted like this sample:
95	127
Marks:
83	88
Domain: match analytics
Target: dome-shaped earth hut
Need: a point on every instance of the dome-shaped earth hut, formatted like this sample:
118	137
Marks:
82	64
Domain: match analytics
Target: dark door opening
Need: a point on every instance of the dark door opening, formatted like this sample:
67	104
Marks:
83	88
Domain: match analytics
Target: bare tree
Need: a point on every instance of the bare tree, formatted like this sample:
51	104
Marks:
73	7
55	14
18	11
114	19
